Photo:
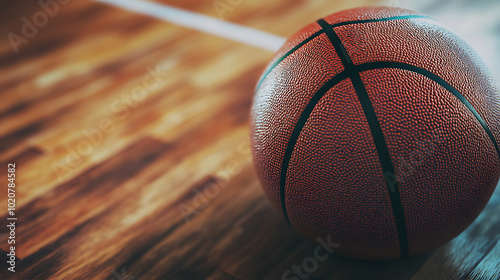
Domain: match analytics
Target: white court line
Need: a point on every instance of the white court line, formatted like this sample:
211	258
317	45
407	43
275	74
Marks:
203	23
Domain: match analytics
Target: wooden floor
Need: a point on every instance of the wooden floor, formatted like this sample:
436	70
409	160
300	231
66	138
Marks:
130	141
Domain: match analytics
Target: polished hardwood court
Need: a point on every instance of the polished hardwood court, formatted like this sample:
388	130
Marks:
130	139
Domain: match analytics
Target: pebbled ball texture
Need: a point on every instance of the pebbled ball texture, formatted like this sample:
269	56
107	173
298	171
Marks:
332	182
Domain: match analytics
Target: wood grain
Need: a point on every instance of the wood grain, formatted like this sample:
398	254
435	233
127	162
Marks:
130	138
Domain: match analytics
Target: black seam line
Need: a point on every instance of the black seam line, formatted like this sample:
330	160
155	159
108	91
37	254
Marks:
296	132
440	81
286	55
337	44
269	69
377	134
379	20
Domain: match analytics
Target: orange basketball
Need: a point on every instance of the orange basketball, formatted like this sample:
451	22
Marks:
378	129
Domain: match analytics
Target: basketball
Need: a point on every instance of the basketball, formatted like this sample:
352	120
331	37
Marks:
377	129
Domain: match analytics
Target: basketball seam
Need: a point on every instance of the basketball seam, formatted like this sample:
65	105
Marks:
377	135
438	80
338	79
298	128
321	31
292	50
358	84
